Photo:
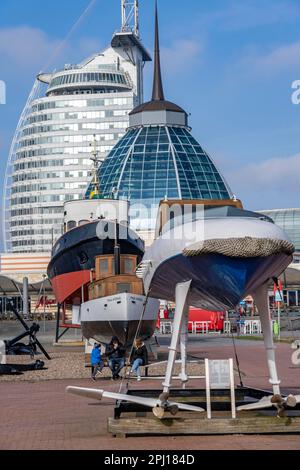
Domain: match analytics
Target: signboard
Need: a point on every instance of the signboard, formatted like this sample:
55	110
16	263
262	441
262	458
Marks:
219	374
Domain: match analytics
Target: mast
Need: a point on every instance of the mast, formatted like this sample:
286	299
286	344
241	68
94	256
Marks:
130	17
95	185
158	91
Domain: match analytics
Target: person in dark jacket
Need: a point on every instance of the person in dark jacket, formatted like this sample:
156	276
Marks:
138	358
115	353
96	360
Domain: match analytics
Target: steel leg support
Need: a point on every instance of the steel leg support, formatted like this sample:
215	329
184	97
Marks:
181	294
183	344
261	299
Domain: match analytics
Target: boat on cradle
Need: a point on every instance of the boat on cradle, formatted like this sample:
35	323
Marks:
226	251
96	258
117	305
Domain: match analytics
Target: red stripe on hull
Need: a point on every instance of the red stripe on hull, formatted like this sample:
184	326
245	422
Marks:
68	283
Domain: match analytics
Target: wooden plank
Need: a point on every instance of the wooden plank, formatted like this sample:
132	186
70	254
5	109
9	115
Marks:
180	426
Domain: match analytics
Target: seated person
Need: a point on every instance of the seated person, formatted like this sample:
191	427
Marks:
96	360
138	358
115	353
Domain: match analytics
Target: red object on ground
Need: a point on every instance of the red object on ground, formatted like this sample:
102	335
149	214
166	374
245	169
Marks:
215	319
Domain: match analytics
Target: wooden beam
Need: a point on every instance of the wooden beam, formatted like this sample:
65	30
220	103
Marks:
204	426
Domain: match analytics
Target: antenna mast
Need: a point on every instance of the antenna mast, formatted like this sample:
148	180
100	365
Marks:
130	16
95	184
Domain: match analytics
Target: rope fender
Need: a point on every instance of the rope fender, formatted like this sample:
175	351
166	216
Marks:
246	247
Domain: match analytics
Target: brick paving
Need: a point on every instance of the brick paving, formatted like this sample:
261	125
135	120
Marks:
253	363
41	415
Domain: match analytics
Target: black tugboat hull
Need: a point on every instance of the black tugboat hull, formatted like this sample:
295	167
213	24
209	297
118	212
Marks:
73	255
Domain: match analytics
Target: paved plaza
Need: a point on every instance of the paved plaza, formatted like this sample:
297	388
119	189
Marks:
40	415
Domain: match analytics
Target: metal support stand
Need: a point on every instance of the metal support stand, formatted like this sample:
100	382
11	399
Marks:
183	344
59	335
181	294
207	383
57	323
261	299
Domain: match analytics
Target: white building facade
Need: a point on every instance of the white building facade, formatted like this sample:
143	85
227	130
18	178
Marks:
50	160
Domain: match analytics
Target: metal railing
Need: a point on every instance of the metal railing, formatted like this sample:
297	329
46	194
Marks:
196	327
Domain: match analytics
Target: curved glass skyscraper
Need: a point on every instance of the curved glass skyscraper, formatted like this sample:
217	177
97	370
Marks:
50	157
159	158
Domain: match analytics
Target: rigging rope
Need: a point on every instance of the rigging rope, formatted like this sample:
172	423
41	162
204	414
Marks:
59	48
126	375
237	360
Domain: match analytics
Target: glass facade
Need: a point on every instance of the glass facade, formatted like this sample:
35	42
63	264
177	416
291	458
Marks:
41	146
78	115
153	162
68	79
289	221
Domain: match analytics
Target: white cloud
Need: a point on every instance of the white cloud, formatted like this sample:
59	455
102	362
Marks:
25	47
265	58
280	58
277	171
182	54
271	183
30	49
236	16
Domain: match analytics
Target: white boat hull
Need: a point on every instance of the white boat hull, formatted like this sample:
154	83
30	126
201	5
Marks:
119	315
219	281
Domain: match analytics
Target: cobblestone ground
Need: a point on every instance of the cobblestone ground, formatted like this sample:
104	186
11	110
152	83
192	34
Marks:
70	365
40	415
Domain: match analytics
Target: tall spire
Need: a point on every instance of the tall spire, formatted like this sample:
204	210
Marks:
158	92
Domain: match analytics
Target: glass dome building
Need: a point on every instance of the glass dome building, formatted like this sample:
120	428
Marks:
159	158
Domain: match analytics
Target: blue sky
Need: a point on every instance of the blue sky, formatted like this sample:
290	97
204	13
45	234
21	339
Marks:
230	63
